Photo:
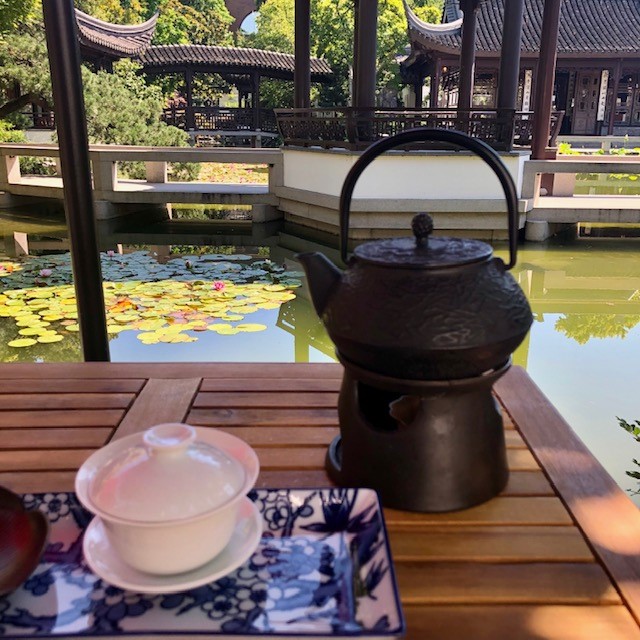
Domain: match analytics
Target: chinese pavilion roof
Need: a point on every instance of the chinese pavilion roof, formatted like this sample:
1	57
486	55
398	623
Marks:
230	59
116	40
587	27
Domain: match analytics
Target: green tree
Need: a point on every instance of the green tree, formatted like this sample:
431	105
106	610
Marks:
14	13
428	10
581	327
275	32
122	109
193	22
115	11
24	69
332	39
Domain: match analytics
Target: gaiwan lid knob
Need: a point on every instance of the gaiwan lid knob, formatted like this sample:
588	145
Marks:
168	475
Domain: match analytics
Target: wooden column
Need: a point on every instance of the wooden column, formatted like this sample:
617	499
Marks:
435	84
617	72
510	55
366	39
356	54
467	53
66	82
302	68
545	78
255	99
418	88
188	81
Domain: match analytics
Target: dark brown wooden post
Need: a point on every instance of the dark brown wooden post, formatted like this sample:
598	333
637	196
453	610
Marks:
255	101
302	68
510	55
509	69
435	84
365	72
191	117
617	72
418	88
545	78
467	53
356	54
66	83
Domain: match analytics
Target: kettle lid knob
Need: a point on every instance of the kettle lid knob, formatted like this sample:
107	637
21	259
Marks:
422	226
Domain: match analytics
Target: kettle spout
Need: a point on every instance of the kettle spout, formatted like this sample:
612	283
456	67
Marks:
323	278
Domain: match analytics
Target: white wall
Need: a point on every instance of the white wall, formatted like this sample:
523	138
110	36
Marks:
429	175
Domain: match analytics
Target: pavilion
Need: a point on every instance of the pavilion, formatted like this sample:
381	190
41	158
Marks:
597	71
102	43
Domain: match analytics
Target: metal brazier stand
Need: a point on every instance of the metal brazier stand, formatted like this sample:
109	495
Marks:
423	326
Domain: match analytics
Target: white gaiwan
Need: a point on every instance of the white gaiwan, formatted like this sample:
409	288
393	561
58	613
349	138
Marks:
168	497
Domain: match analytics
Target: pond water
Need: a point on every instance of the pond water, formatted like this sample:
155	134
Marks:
226	290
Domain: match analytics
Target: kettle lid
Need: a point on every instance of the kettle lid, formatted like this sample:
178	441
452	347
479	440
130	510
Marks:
423	251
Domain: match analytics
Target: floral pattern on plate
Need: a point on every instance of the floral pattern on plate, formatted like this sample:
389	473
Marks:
323	569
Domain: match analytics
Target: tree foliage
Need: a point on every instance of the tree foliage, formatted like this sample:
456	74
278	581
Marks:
332	39
122	109
581	327
115	11
14	13
192	22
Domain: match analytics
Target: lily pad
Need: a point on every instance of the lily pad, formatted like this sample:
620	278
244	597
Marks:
50	338
22	342
251	328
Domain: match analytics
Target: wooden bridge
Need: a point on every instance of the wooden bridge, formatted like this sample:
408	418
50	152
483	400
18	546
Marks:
110	189
542	215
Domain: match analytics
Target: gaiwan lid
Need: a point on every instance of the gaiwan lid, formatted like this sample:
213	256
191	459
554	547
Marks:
167	476
423	251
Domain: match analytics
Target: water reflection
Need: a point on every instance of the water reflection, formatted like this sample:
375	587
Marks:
582	350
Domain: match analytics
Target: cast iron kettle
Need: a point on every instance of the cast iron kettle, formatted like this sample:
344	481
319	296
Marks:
426	308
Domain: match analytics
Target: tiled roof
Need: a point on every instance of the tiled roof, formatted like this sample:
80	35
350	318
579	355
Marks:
586	27
232	57
121	39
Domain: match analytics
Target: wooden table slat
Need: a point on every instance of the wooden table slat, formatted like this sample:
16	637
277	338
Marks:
521	622
174	370
54	438
240	400
43	459
73	385
250	384
501	510
467	583
161	400
43	418
26	401
490	544
263	417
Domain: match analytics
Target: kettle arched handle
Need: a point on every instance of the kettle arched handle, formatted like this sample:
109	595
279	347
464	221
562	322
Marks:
426	134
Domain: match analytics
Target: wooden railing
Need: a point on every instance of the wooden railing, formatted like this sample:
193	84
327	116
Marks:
352	128
220	119
40	120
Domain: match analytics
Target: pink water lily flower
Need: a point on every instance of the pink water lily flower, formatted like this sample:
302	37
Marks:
218	285
45	273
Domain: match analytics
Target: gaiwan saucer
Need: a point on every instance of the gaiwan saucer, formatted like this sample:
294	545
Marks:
106	564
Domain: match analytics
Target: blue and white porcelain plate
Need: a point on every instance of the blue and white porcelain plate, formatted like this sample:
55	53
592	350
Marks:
322	569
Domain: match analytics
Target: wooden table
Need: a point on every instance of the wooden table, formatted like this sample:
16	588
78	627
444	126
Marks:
555	556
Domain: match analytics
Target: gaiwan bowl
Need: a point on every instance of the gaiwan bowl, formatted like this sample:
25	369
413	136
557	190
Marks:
168	497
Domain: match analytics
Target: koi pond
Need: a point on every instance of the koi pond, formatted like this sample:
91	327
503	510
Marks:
225	290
